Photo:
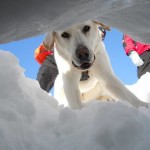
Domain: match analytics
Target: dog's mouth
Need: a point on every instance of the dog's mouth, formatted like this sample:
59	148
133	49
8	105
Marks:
84	65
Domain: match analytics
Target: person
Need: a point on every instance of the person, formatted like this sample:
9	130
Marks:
48	70
139	53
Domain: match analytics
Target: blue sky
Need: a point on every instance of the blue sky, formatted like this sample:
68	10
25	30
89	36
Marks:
122	65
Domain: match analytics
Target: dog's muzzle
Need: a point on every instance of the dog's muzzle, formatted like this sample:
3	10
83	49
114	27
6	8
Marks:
83	57
84	65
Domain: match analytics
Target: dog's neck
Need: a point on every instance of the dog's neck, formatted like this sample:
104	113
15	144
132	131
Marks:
84	75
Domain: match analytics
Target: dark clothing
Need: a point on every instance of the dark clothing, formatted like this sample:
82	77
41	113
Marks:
47	73
146	66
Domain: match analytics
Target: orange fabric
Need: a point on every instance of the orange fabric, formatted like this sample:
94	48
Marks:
41	53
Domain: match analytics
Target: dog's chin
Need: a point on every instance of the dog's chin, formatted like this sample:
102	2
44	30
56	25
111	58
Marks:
85	65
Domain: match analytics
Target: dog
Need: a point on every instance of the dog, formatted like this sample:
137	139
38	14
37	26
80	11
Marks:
79	49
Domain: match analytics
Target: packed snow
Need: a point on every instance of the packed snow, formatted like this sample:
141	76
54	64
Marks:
30	119
142	88
21	19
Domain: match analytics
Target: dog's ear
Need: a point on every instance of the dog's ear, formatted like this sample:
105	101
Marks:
102	25
49	40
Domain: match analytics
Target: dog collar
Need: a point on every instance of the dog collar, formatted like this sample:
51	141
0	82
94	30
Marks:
84	75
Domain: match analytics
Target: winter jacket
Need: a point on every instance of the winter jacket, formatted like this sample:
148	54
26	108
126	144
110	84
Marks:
41	53
131	45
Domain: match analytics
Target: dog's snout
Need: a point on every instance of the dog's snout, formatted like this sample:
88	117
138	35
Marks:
82	52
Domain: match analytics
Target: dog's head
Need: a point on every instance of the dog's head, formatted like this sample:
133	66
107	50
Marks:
78	43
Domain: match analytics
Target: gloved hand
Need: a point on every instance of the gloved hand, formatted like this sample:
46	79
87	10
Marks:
134	56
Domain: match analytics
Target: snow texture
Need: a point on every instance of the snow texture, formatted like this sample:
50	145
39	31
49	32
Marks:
30	119
25	18
142	88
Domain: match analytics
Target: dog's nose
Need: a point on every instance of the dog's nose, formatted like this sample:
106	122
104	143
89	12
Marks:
82	52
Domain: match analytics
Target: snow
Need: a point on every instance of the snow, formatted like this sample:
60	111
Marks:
22	19
30	119
142	88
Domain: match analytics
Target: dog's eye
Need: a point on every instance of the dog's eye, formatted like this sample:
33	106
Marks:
86	29
65	35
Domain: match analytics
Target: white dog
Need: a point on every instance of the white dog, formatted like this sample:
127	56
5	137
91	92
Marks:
79	49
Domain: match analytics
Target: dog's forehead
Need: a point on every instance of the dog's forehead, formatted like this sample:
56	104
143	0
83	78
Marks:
76	27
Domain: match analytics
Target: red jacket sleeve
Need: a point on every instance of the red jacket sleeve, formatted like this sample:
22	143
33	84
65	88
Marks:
128	44
41	53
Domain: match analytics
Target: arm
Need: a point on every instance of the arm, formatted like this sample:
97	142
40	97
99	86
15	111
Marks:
129	44
131	50
41	53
